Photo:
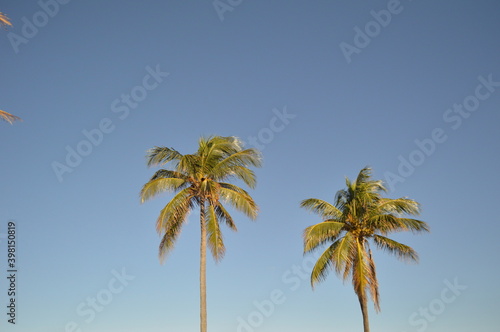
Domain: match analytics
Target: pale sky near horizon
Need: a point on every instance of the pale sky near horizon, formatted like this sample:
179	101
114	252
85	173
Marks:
323	88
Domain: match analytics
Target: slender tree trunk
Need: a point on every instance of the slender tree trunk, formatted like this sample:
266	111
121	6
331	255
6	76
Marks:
364	311
203	269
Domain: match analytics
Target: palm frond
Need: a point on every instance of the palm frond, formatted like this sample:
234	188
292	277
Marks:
317	235
160	155
170	223
248	157
320	207
224	216
361	274
323	265
4	20
215	241
160	185
8	117
176	210
373	282
190	164
399	206
401	251
239	199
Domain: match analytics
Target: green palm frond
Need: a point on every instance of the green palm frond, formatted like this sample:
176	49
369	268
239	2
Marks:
215	241
373	282
166	173
191	164
399	206
160	155
160	185
361	274
224	216
321	233
401	251
320	207
176	210
323	265
244	174
239	199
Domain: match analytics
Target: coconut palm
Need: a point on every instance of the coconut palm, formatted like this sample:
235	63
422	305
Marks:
359	216
199	181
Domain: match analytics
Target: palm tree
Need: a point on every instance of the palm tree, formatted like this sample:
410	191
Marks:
4	22
197	179
359	214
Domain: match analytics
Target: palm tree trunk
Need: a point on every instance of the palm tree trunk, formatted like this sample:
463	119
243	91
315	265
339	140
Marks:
364	311
203	269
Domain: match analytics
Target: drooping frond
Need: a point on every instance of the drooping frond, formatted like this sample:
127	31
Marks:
239	199
322	208
160	155
176	210
373	282
361	274
8	117
162	181
223	215
401	251
317	235
323	265
215	241
338	256
387	223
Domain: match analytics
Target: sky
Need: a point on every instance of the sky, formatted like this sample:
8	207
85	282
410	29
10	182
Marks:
322	88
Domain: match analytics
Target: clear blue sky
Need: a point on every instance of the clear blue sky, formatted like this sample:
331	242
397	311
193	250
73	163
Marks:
345	99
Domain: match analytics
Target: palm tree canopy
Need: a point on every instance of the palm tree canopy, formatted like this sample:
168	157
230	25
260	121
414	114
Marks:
359	214
201	179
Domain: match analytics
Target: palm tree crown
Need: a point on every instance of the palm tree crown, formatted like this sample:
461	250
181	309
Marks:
197	180
360	214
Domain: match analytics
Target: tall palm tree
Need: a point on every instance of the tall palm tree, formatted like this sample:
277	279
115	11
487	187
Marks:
198	181
360	214
4	22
